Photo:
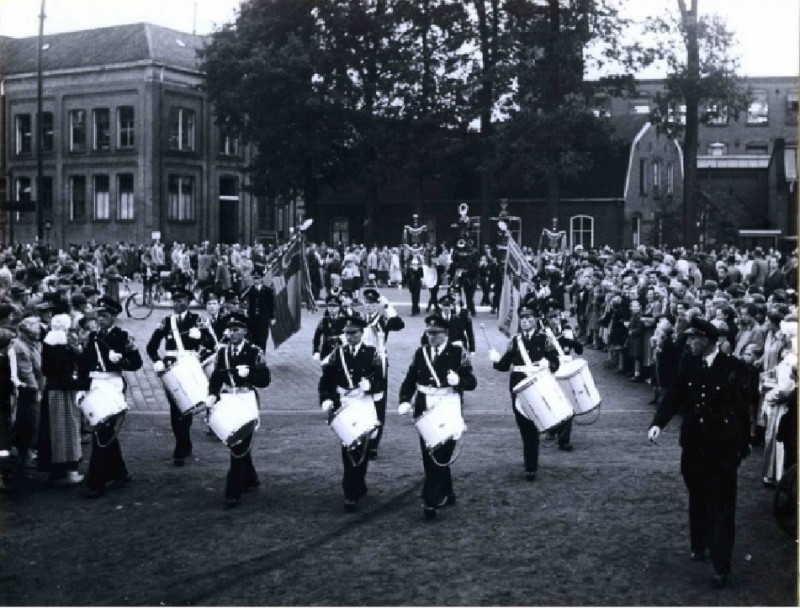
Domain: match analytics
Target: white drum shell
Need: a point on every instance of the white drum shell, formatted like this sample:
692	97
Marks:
208	365
234	417
541	400
101	403
355	420
429	276
442	420
186	383
577	383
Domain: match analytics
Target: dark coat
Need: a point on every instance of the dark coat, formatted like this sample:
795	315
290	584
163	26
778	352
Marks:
164	332
452	358
364	365
115	339
537	348
225	372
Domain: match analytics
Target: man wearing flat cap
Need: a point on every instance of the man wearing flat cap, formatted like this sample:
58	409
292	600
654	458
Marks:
108	352
353	371
437	369
182	331
381	319
238	366
525	350
714	438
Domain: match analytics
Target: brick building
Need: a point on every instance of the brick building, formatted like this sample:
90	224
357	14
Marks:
129	142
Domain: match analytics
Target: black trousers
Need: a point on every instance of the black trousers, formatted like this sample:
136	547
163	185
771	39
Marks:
712	506
26	425
530	439
433	299
380	409
241	473
438	480
563	432
106	463
469	298
354	480
181	430
414	299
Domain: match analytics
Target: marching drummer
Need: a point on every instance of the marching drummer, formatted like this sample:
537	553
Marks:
240	365
328	334
459	323
352	368
108	351
565	336
182	331
436	369
381	318
524	350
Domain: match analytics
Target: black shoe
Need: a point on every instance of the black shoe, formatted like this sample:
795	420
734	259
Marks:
178	461
232	502
350	506
429	513
252	487
697	555
93	494
530	476
565	447
719	580
120	483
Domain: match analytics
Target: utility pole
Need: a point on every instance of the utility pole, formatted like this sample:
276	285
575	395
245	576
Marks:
691	98
39	133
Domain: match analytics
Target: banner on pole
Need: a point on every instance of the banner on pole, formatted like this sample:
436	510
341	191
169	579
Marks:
517	279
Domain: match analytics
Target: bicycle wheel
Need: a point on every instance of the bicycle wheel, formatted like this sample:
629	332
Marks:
138	306
785	505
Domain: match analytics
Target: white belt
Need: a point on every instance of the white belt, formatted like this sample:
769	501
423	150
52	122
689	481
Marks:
349	391
433	391
178	354
237	390
104	375
524	368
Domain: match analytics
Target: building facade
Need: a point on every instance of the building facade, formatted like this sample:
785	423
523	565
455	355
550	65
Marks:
129	146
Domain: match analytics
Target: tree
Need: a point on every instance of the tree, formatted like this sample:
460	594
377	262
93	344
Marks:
703	81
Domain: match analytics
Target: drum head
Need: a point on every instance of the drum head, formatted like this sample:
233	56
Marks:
528	381
568	369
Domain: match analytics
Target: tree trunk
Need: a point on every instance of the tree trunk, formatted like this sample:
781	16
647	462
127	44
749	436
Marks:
488	43
690	136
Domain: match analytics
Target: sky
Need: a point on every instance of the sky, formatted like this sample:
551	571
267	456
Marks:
768	31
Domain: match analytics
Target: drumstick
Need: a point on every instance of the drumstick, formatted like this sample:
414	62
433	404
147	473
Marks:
485	336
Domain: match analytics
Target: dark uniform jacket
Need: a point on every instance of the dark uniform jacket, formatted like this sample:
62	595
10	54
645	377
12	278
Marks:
363	365
328	335
115	339
537	348
189	321
716	422
225	372
260	306
452	358
459	331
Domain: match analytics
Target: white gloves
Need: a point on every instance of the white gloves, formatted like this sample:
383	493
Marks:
453	378
391	312
364	385
242	370
114	356
494	355
653	433
404	408
211	401
158	366
316	356
327	405
194	333
383	300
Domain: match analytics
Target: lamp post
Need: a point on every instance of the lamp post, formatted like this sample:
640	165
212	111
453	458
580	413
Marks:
39	132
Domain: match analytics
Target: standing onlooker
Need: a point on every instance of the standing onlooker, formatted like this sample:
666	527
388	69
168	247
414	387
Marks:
29	375
413	280
6	398
636	340
395	270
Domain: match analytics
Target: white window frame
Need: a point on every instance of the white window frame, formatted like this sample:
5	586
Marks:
180	198
23	138
670	178
125	198
75	146
126	131
96	142
758	110
182	129
576	233
229	146
656	178
48	137
101	202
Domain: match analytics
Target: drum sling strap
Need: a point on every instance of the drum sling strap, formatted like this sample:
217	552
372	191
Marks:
430	367
526	358
356	462
118	424
228	368
458	447
173	320
344	368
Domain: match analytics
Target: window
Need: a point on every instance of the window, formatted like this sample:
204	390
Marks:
229	145
670	179
758	111
77	198
656	178
22	124
125	127
340	230
642	177
47	132
181	198
228	189
640	107
581	231
181	129
791	107
22	189
102	209
718	149
756	148
77	130
125	195
716	114
102	129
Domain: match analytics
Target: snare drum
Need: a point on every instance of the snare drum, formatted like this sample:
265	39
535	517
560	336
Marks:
355	420
186	383
578	386
442	420
541	400
102	403
235	417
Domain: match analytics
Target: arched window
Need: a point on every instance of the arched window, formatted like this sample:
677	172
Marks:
581	231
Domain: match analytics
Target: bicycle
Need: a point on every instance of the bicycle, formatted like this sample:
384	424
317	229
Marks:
139	305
